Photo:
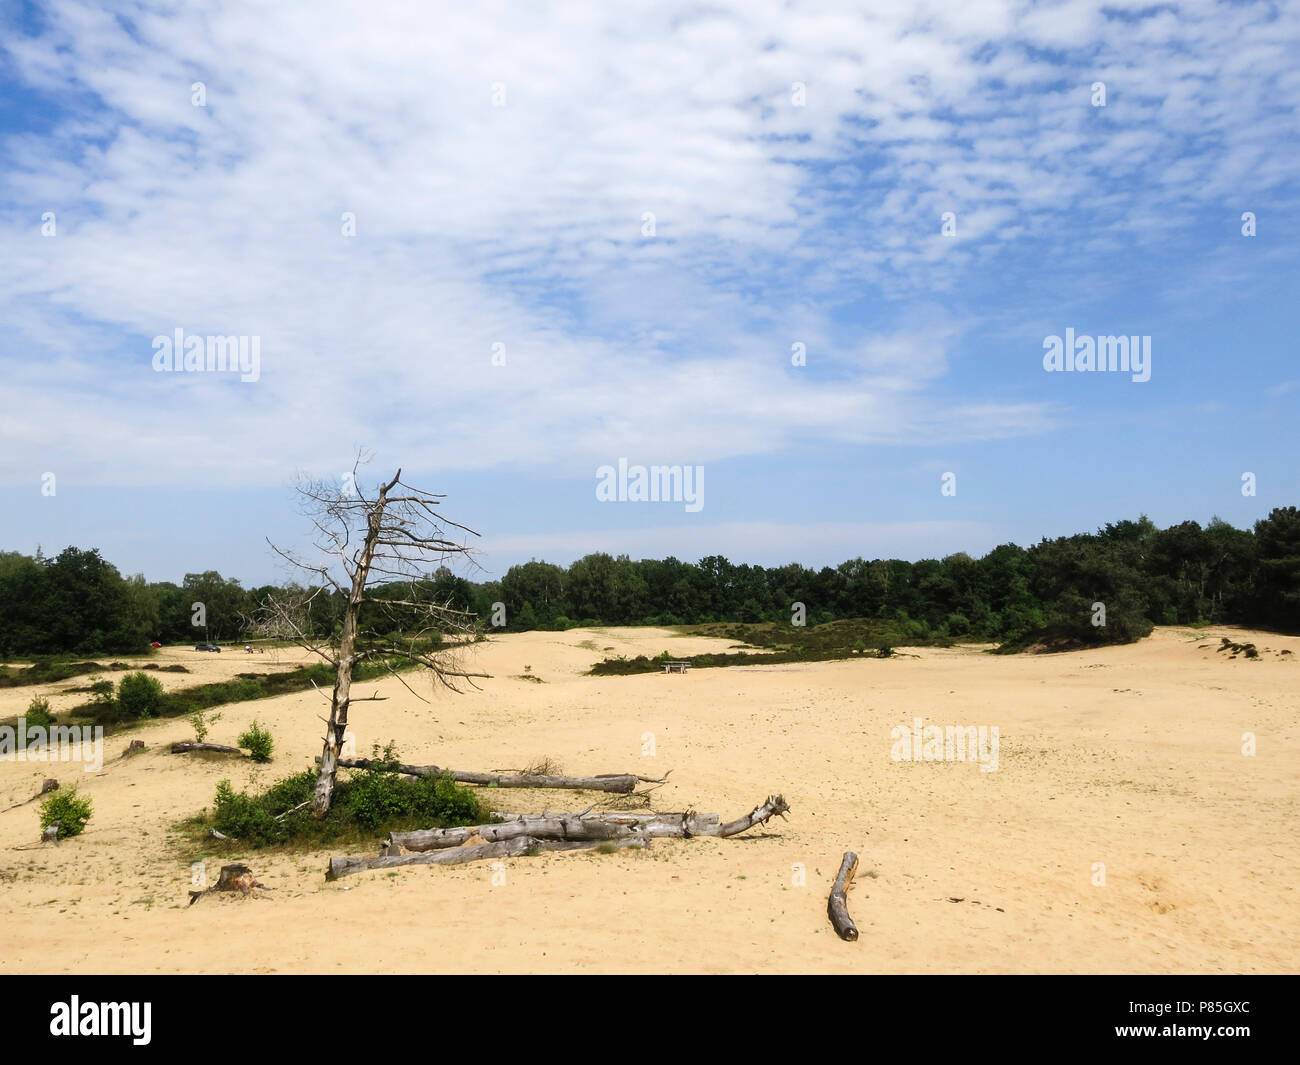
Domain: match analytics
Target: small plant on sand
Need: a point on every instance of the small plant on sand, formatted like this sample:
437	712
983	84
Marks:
201	723
69	809
257	742
38	712
101	692
884	651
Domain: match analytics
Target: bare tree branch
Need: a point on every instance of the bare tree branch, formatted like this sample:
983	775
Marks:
380	557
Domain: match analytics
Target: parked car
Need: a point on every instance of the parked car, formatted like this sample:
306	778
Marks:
207	647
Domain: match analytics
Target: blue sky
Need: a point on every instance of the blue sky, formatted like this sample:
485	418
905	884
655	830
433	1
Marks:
499	161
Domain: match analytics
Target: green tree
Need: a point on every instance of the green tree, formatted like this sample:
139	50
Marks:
1278	596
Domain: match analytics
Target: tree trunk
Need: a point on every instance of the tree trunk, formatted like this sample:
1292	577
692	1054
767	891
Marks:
337	727
775	806
435	846
615	817
837	904
509	848
618	783
189	745
556	826
234	877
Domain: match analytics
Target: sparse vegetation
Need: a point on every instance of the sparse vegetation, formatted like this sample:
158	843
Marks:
771	644
202	724
366	803
38	712
257	742
70	809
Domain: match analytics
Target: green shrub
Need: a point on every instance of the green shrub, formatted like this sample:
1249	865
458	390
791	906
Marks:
139	695
244	817
101	693
291	791
38	712
69	809
451	803
202	723
373	800
257	742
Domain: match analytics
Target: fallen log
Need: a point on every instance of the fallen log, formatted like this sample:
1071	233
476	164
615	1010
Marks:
190	745
837	904
617	817
584	826
775	806
557	827
47	785
508	848
619	783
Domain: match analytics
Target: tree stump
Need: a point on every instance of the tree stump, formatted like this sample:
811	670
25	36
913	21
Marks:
234	877
48	784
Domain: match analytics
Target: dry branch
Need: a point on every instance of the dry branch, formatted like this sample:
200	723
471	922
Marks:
47	785
190	745
509	848
584	826
619	783
837	904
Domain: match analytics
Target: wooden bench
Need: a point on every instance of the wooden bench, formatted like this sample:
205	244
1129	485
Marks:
677	666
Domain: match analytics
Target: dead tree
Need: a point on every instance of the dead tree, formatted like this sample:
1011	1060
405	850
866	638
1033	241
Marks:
618	783
598	826
379	551
509	848
531	833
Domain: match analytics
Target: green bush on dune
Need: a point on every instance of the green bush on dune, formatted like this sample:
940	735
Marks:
368	801
69	809
139	695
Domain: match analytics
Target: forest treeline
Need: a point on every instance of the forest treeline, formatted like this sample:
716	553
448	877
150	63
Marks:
78	603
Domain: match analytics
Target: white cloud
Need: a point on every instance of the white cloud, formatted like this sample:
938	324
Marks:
522	224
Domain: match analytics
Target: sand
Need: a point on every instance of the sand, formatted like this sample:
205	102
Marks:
1127	756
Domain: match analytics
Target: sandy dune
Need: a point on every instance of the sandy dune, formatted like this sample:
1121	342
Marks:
1127	756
